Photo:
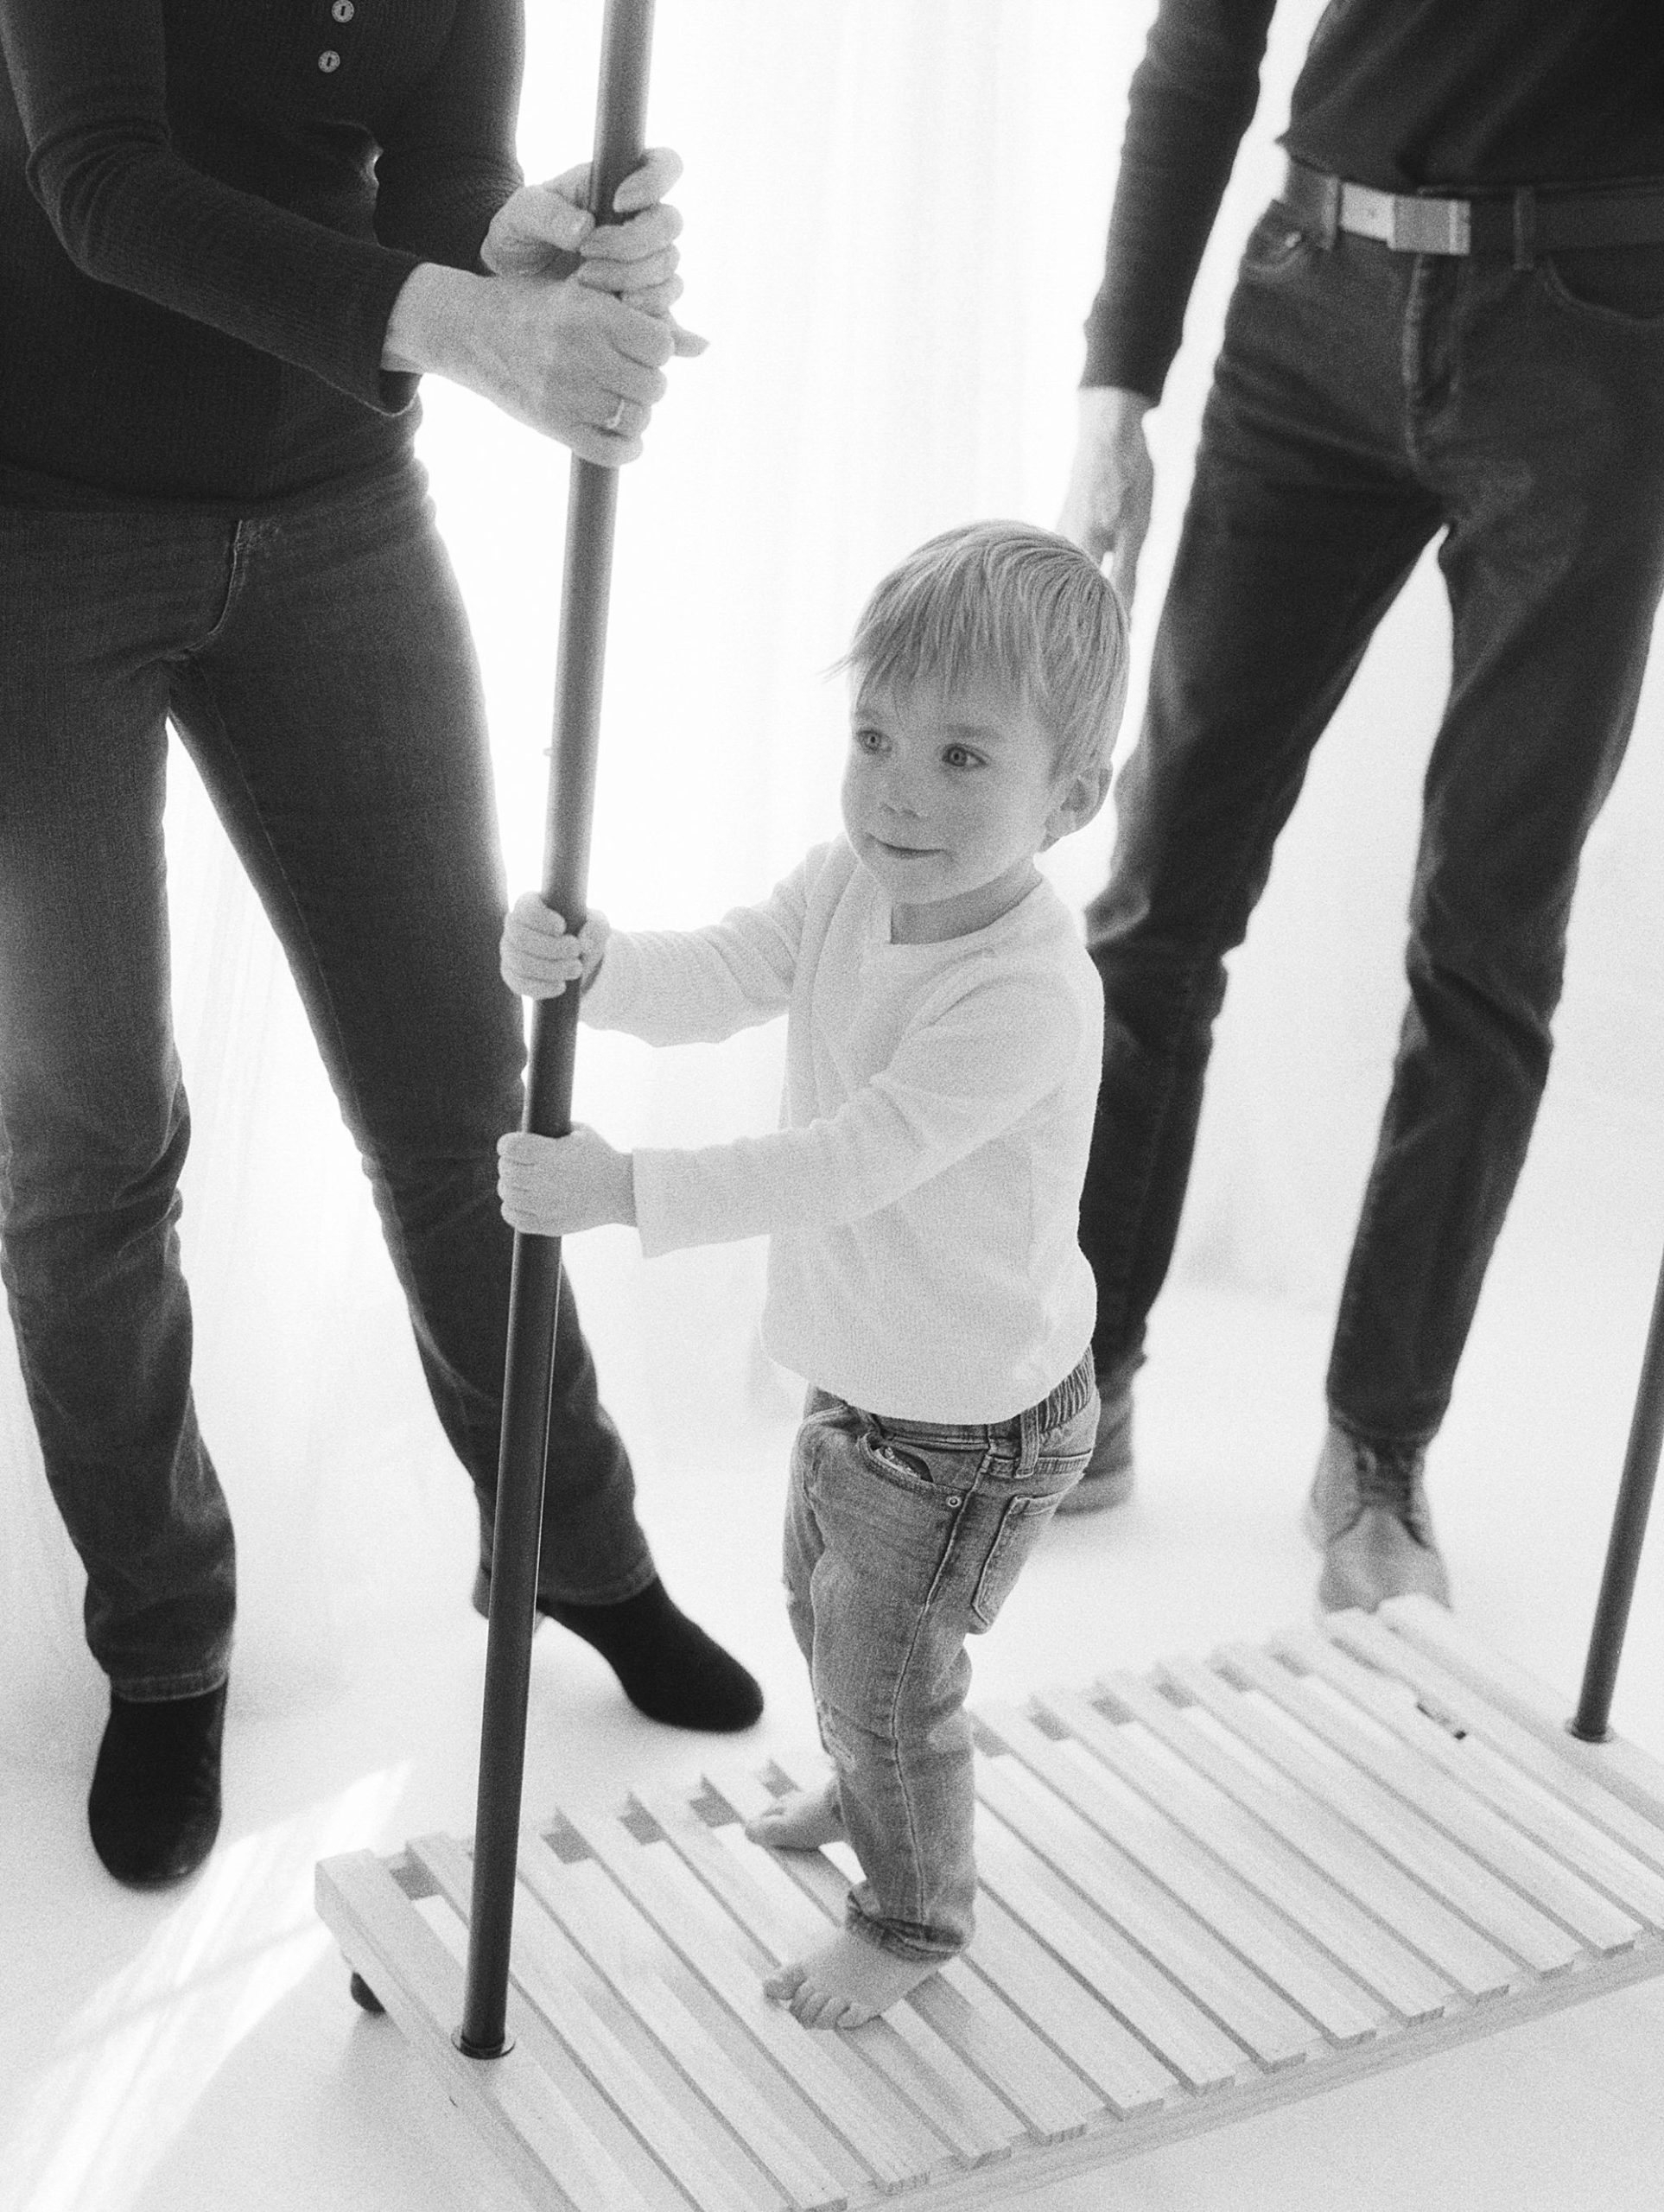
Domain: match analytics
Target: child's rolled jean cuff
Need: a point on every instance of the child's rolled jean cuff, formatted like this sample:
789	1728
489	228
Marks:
923	1949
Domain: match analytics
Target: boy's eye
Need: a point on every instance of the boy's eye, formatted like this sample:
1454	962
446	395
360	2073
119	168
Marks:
869	740
961	756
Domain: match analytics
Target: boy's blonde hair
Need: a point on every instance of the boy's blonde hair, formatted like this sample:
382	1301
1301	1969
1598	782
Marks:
1004	601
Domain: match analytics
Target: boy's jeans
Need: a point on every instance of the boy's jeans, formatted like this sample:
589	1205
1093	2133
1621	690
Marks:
901	1537
315	660
1364	401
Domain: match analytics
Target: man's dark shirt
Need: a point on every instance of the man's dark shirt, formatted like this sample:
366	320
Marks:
1406	95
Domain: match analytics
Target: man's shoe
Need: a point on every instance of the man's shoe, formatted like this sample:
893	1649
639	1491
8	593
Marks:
154	1807
1108	1477
667	1666
1367	1515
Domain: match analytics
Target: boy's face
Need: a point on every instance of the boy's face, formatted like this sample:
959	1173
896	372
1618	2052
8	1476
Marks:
947	798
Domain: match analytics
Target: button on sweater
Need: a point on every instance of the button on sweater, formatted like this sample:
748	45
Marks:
204	226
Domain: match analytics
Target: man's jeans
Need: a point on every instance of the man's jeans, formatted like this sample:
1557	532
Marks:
315	660
1364	401
901	1538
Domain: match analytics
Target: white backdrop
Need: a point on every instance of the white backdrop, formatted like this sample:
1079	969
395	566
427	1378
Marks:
895	217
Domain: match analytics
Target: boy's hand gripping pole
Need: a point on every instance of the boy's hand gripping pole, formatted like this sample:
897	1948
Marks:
534	1298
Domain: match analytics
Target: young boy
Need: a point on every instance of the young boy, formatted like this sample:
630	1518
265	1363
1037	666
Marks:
943	1040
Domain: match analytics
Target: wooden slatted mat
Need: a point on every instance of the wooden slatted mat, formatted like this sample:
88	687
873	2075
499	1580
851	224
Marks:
1205	1889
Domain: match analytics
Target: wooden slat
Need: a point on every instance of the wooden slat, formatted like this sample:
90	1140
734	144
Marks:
933	2075
1290	1884
1552	1892
1623	1768
1523	1803
1463	1963
949	2102
828	2072
1055	1815
1246	1922
1468	1887
554	1979
1354	1859
1171	2038
1446	1697
757	2100
544	2142
969	2012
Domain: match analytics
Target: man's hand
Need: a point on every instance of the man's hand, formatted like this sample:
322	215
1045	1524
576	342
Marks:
554	1186
540	958
1111	483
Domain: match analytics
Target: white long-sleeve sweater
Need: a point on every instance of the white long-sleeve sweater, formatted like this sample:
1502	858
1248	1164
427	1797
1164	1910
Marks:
921	1194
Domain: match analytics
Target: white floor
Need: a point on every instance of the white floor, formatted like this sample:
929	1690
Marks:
199	2053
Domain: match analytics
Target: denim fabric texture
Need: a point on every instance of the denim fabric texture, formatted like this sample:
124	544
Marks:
902	1538
1364	401
316	660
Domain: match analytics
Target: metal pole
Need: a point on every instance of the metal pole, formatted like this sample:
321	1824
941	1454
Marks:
1618	1587
534	1296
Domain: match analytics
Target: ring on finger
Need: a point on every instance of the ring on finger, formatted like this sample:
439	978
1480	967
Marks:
615	422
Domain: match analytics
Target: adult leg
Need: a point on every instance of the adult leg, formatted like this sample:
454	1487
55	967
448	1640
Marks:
1304	518
1548	443
94	1131
337	722
93	1118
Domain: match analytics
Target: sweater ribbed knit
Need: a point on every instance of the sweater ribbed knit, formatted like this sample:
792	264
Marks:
207	208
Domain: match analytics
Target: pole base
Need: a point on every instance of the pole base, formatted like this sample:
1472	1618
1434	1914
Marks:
481	2050
1573	1727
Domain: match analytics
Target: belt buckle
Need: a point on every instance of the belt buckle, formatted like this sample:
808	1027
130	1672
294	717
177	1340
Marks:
1432	225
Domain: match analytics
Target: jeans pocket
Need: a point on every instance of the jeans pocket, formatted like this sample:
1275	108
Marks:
1613	285
915	1468
1275	246
1020	1525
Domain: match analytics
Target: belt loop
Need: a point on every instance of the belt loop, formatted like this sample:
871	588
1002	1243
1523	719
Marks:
1525	228
1028	1441
1328	209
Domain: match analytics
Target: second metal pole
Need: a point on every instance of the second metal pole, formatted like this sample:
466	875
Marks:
1591	1721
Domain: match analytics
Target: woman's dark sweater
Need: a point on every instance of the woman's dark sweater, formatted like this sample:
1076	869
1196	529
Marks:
207	208
1406	95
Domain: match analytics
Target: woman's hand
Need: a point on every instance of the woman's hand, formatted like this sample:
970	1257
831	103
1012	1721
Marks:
578	358
555	1186
540	958
564	358
634	259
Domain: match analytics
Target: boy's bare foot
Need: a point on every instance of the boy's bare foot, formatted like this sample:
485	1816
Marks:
845	1983
802	1821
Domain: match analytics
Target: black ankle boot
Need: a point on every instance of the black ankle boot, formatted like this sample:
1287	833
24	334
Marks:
667	1666
154	1809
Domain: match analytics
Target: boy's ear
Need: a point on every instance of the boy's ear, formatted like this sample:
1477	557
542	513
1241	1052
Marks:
1077	803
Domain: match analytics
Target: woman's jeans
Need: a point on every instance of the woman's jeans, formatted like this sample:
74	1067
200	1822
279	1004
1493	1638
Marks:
315	660
1365	400
901	1538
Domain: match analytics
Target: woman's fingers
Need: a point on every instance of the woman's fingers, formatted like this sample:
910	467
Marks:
655	232
659	168
627	278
